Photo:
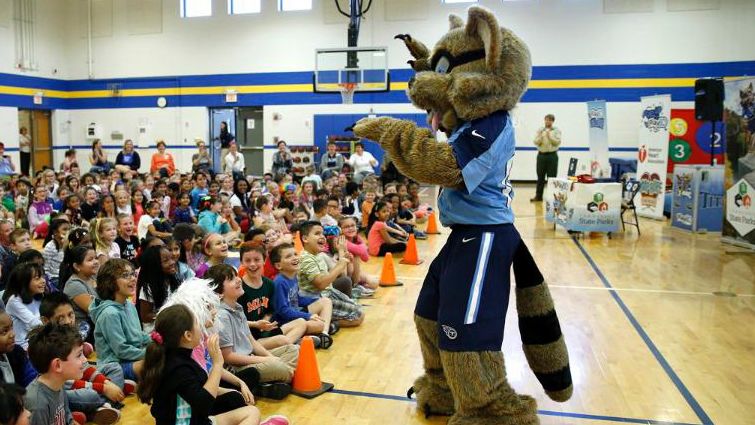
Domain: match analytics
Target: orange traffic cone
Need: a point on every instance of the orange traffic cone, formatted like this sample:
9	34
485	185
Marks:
432	225
298	247
410	255
388	274
306	381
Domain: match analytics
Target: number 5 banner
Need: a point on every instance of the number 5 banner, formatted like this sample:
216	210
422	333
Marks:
689	140
653	155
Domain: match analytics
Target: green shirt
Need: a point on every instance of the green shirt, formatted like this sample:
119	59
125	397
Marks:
258	302
310	266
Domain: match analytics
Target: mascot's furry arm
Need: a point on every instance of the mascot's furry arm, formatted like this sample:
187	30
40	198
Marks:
414	150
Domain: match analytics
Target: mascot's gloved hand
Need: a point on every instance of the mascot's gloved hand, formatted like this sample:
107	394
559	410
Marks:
413	149
373	128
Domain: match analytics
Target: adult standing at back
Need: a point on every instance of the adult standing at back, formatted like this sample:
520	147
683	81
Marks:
201	160
282	160
362	162
162	161
24	146
233	162
548	140
331	162
98	158
128	161
225	139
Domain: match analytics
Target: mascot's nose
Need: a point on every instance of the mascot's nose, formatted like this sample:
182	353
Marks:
411	82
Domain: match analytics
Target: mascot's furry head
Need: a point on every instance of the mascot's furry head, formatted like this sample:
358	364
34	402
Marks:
473	71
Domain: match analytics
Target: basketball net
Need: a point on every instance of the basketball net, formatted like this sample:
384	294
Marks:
347	92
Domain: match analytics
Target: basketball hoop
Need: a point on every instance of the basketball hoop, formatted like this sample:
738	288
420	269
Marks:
347	92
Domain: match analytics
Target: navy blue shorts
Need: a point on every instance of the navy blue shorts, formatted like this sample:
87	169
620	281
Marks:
467	287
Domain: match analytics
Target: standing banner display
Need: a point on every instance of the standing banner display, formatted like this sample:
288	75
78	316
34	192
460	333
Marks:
653	155
739	114
597	120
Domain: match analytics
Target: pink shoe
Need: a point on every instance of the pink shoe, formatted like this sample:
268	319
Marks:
275	420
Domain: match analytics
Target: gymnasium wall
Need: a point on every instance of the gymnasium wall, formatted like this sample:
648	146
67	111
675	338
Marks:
581	50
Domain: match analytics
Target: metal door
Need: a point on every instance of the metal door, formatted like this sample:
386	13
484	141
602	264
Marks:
249	131
216	117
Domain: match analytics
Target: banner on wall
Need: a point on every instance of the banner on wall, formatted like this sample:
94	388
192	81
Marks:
739	115
598	138
690	140
652	155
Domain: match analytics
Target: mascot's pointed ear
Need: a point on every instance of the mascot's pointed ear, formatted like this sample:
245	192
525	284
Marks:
455	21
482	23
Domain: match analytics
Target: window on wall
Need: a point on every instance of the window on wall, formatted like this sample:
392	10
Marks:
459	1
195	8
240	7
292	5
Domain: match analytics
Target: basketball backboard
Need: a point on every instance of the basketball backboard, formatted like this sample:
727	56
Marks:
365	69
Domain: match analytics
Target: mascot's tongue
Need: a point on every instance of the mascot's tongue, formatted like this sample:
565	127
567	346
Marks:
435	120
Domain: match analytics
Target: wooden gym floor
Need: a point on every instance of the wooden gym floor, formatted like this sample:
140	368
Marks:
660	330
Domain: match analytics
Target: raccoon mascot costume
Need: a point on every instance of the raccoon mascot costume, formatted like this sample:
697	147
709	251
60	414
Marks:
468	83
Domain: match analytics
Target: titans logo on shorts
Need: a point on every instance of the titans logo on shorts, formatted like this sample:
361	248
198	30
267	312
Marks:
466	290
484	150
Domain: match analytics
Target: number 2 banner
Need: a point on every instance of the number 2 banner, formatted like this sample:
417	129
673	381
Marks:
653	155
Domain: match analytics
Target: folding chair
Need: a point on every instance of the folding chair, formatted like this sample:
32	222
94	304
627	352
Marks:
628	193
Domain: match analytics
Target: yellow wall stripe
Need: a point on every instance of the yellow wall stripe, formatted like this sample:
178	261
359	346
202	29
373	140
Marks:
307	88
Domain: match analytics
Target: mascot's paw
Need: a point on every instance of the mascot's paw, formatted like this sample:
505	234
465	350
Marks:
481	392
372	128
433	396
424	88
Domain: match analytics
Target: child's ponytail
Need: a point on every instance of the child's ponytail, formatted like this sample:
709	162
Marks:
170	326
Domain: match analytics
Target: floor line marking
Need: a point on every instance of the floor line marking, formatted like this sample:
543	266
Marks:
653	291
699	411
540	412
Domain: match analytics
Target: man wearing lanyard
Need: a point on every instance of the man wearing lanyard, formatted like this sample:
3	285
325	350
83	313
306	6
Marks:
548	140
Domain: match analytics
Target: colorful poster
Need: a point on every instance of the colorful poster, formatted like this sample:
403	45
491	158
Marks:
583	207
556	194
683	204
739	115
595	207
597	121
653	155
689	141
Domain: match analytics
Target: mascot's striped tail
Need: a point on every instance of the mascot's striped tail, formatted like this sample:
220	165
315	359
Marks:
543	342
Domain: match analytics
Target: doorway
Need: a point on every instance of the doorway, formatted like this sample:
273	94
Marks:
36	122
247	128
217	116
249	135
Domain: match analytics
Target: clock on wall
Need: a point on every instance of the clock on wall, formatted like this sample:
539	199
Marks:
162	102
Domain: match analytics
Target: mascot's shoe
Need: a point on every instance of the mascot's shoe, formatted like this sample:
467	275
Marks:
433	393
489	399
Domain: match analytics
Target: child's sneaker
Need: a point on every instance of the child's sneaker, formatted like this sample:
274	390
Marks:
273	390
275	420
106	415
79	417
129	387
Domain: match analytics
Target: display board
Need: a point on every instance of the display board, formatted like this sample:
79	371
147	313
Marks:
653	155
583	207
739	182
597	119
690	140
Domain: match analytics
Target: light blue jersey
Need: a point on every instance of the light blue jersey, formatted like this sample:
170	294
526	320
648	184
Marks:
484	151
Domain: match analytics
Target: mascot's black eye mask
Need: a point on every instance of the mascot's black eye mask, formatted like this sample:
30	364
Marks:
443	61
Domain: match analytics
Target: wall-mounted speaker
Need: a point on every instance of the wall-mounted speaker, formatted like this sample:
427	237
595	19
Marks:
709	99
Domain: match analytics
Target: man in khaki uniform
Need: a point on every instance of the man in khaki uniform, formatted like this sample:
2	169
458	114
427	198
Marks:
548	140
